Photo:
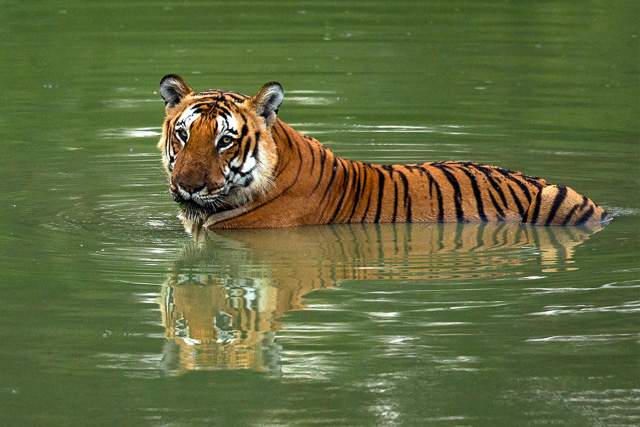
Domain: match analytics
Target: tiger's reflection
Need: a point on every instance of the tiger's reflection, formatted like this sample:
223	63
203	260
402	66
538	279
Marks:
221	305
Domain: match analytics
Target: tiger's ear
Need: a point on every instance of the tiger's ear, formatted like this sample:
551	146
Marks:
173	90
267	101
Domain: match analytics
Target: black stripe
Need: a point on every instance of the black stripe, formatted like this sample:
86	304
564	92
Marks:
585	202
245	129
208	98
299	155
333	175
434	183
256	148
366	166
494	184
291	143
280	193
407	196
243	134
567	218
516	200
323	158
222	111
285	167
203	107
390	170
357	187
313	156
281	168
234	96
499	210
221	95
347	179
395	202
508	174
535	181
457	194
585	216
536	210
557	201
476	192
380	193
420	168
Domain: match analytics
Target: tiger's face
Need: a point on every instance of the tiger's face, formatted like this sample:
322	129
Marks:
217	146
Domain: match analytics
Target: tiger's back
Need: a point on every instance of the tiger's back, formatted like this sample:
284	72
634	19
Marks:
235	165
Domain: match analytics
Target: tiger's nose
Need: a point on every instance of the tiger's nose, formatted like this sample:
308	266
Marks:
187	188
193	189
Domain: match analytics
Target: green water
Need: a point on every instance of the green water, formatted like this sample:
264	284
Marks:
113	314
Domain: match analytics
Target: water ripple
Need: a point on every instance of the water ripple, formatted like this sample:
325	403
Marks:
587	338
629	307
127	133
627	284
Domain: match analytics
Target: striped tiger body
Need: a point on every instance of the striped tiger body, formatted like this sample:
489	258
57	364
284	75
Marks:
233	164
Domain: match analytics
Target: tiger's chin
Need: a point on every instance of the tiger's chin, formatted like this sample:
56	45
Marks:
199	209
195	212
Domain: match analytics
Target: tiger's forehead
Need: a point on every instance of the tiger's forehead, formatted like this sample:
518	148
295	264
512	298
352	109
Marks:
212	101
224	95
210	104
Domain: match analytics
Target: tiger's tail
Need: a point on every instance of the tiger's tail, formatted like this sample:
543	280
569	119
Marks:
560	205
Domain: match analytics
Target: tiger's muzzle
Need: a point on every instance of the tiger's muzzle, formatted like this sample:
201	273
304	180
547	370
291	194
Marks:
200	199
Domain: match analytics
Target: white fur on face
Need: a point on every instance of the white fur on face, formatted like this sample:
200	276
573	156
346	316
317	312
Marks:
249	164
227	126
184	122
188	117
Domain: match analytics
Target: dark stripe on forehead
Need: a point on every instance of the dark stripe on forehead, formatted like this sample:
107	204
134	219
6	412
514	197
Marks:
195	109
236	97
213	103
223	111
220	94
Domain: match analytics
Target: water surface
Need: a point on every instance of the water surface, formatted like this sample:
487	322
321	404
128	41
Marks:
113	314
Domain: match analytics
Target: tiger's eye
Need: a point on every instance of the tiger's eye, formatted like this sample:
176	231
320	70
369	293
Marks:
225	142
182	134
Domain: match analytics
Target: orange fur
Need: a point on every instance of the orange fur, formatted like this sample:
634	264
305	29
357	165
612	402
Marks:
233	164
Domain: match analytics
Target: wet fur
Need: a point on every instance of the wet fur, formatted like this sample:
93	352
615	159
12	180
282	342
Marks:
273	176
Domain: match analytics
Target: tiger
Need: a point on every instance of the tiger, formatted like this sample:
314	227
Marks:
232	163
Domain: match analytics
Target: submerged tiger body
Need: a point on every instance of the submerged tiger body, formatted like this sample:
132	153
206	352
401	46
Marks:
234	164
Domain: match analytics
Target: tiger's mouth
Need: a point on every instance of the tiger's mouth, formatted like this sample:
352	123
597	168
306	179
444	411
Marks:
193	210
204	202
199	206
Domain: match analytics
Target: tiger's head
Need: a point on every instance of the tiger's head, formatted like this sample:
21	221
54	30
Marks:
217	146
